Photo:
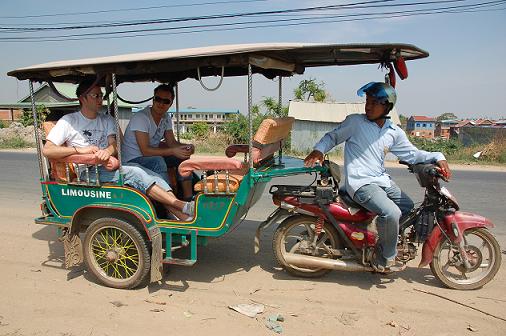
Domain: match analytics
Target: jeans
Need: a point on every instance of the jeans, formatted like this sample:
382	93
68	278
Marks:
159	165
133	175
389	203
153	163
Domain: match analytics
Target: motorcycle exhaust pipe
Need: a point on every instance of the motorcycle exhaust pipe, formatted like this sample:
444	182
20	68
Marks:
305	261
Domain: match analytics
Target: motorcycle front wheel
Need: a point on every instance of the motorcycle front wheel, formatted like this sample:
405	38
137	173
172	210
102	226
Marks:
296	234
484	255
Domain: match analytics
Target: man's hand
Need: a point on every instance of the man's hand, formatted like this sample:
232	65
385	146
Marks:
183	152
311	159
103	155
86	150
445	169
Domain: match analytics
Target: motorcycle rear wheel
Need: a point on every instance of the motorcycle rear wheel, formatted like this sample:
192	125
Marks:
483	252
295	235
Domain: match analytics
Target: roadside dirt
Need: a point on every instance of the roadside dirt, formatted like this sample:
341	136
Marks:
39	297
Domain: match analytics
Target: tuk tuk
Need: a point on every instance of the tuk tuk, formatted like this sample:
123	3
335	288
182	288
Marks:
125	240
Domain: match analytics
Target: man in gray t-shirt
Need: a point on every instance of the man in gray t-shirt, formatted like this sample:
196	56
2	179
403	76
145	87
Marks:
145	131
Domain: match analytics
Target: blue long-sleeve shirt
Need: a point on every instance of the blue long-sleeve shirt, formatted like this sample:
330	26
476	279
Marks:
366	145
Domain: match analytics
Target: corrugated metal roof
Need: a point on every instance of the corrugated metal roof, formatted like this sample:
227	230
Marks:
329	112
66	89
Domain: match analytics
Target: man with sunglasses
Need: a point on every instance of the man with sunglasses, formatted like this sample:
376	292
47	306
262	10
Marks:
90	132
368	138
144	134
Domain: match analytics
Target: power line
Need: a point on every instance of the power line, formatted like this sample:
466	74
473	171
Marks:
265	24
422	11
211	17
132	9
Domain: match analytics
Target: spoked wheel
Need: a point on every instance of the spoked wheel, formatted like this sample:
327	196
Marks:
116	253
484	255
296	235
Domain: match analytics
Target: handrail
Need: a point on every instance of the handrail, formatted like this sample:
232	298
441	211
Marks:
219	83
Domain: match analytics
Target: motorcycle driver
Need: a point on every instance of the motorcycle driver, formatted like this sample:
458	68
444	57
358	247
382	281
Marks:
368	138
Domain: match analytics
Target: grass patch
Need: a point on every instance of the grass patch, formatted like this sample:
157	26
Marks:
15	142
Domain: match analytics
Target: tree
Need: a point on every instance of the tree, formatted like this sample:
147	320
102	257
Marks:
273	108
200	129
237	127
446	116
404	121
310	88
27	116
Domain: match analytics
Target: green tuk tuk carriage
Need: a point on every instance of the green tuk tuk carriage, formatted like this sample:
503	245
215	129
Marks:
124	237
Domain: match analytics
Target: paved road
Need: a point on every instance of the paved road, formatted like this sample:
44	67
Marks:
195	300
482	192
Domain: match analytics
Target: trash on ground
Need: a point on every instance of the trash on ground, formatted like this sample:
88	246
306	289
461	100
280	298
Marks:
248	309
118	303
272	323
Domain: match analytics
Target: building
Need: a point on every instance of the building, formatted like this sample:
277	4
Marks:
214	118
421	127
500	124
313	120
443	128
56	105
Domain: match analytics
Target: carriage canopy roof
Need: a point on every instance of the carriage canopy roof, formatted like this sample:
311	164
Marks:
269	59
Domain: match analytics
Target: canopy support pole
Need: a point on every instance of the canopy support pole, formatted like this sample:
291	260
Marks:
118	128
280	111
250	119
177	110
37	132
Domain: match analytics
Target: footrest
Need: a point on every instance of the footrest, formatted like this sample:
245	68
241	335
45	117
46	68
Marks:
177	261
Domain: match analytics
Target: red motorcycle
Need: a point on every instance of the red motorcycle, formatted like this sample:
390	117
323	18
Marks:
323	229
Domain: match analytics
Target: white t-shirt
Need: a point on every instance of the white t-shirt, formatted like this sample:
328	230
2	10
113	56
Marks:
74	129
143	121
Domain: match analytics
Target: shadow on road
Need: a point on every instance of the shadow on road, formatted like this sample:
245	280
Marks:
231	254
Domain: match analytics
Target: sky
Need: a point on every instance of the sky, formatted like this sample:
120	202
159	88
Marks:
465	73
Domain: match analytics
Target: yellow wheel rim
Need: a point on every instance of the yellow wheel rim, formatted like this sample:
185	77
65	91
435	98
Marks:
115	253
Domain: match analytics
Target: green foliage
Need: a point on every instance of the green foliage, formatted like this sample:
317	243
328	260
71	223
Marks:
237	127
447	147
27	116
2	124
15	142
273	108
186	136
446	116
310	88
200	129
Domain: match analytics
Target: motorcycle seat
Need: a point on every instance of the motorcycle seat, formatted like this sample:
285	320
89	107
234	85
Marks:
346	198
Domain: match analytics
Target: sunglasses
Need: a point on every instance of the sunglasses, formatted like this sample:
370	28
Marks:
161	100
95	95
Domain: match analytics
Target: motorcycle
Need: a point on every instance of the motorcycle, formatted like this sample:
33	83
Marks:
323	229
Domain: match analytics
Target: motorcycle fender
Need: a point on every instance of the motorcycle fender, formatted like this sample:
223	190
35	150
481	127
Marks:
459	222
276	216
429	246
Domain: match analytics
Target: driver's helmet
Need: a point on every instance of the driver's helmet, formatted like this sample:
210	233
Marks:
382	92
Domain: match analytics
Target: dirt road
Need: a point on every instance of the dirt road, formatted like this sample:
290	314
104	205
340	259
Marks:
39	297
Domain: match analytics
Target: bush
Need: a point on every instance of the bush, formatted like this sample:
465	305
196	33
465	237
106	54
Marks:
447	147
15	142
237	127
2	124
27	116
212	144
200	130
